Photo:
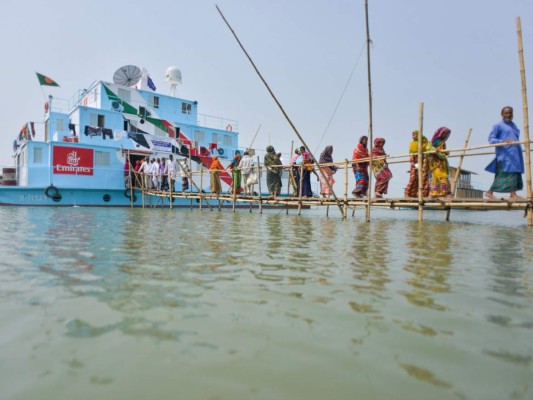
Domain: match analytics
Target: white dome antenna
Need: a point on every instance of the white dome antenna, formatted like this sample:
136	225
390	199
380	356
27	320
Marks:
173	78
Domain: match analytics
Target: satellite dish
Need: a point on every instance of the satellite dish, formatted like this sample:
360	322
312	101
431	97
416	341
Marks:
173	77
128	75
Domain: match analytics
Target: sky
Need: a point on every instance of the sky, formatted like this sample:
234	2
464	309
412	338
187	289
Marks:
458	57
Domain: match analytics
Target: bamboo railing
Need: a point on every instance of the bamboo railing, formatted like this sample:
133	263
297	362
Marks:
297	201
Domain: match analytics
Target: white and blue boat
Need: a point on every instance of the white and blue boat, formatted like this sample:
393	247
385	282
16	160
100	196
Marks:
77	155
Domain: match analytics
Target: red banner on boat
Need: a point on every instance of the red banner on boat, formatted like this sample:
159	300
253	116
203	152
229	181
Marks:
73	160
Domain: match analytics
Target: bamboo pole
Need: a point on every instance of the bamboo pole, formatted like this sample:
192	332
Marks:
190	178
143	184
526	122
300	188
458	172
259	186
170	185
130	177
280	107
291	178
234	186
370	132
420	161
345	208
201	192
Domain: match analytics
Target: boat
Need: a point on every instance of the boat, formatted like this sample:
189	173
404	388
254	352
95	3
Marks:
77	155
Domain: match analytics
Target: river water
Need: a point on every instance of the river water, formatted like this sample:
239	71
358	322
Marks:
160	304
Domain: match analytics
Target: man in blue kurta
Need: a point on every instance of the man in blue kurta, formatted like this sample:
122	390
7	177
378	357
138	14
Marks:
509	162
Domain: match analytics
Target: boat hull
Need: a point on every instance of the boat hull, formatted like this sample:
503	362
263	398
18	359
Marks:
69	197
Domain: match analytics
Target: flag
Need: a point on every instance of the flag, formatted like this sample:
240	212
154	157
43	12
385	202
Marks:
45	81
150	83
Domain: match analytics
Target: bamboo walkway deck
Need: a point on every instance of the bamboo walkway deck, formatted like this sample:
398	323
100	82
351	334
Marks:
227	200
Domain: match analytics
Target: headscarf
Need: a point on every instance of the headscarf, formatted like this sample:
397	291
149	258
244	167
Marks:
440	136
378	149
413	146
236	159
271	158
326	156
360	150
215	164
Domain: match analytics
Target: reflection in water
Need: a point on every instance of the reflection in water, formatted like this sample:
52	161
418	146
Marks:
429	263
370	257
507	257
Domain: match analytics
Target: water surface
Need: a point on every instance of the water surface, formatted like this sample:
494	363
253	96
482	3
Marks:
159	304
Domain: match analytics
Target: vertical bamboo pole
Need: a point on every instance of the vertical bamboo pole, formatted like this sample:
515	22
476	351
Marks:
130	177
420	163
234	186
300	188
345	208
190	177
458	172
259	186
526	123
143	184
201	191
370	135
171	184
291	178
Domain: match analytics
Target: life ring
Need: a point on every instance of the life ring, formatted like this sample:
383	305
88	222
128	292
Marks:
51	191
220	151
46	107
229	128
128	195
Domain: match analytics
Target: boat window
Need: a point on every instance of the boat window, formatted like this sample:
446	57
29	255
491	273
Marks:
60	124
199	136
37	155
217	138
101	121
155	101
185	108
102	159
228	140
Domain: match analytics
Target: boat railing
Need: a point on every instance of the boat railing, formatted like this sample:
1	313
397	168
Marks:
225	124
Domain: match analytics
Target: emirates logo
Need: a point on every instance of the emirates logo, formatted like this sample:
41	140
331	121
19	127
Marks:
73	159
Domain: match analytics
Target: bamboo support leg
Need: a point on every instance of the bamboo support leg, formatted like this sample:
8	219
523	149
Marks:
529	211
259	186
457	172
420	164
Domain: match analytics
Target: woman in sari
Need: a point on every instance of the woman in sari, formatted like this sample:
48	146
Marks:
412	187
235	173
438	164
360	169
272	161
326	157
215	169
380	168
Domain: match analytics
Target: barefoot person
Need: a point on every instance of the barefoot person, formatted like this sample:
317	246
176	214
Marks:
508	165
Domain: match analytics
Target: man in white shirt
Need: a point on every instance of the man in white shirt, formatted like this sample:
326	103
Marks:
144	170
170	171
183	171
246	166
154	170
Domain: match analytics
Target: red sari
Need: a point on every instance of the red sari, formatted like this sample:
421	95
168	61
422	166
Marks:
380	168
